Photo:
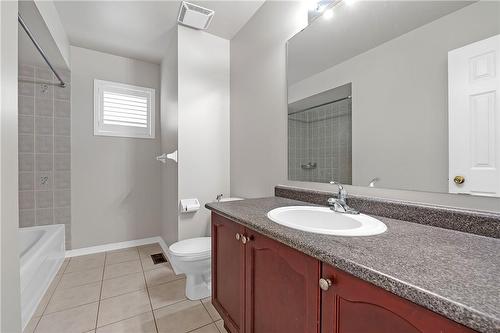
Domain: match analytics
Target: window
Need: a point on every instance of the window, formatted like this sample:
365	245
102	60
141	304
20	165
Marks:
123	110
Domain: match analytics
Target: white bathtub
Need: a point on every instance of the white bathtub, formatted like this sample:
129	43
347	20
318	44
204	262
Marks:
41	255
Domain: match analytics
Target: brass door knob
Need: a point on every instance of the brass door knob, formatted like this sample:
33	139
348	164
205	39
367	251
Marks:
238	236
325	284
459	179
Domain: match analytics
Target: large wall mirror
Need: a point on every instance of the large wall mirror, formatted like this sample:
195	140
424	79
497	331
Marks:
397	94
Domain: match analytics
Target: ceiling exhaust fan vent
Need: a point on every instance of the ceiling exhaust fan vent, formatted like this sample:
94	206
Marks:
195	16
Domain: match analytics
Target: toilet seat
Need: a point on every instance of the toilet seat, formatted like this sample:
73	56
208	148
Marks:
193	248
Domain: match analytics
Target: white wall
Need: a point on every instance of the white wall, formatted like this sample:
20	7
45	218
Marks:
10	308
401	109
169	127
203	131
116	191
258	112
51	17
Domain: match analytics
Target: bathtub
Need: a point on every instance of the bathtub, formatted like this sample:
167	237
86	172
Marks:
41	254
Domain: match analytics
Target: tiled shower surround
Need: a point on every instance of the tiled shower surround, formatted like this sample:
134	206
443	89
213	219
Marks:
321	135
44	149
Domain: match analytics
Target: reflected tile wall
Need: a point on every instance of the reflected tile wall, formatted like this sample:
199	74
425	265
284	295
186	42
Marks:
322	135
44	149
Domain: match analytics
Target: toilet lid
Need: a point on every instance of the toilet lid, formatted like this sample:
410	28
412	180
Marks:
192	246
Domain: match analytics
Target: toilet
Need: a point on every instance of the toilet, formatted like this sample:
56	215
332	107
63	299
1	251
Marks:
192	257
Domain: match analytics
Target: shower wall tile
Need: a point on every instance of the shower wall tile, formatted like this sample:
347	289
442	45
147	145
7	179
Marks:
44	216
26	200
44	149
64	94
62	162
62	109
44	74
44	162
62	144
44	107
26	89
26	124
26	181
26	144
26	71
62	126
26	105
44	144
62	199
44	125
44	199
26	218
62	215
26	162
62	180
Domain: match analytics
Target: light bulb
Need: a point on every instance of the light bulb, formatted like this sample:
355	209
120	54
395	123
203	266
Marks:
328	14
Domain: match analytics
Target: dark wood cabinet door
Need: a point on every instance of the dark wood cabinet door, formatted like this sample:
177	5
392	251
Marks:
228	268
352	305
282	293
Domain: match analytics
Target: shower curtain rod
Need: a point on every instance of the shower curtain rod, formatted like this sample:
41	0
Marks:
39	48
317	106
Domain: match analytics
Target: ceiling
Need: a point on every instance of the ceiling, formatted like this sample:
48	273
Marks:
357	28
140	29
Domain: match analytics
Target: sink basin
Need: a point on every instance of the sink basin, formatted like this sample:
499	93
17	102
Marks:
323	220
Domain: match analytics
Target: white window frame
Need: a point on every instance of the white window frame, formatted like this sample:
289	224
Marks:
101	129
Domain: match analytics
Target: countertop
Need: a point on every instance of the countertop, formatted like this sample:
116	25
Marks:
449	272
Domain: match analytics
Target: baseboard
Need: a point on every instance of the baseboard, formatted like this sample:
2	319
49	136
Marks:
116	246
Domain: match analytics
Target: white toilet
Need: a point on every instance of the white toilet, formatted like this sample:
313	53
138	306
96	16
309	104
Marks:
193	257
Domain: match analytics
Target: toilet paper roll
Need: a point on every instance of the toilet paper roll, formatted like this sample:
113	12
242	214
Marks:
189	205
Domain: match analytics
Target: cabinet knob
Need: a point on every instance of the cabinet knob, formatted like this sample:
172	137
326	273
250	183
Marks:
325	284
244	239
459	179
238	236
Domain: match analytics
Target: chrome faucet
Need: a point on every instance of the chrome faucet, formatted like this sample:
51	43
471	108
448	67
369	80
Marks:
219	197
339	204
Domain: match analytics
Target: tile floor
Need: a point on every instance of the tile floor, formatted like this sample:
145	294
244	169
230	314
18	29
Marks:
121	291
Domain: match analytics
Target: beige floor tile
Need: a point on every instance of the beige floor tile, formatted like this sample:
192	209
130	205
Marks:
48	295
30	327
207	303
118	256
212	328
143	323
148	264
64	299
75	279
181	317
149	249
167	293
161	275
123	285
79	319
123	268
84	263
122	307
220	326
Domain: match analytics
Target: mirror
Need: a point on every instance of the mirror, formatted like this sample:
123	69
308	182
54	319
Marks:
397	94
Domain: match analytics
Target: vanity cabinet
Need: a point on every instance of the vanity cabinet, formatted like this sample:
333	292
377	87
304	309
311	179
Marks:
352	305
260	285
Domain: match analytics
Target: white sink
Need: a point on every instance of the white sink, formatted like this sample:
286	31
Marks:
323	220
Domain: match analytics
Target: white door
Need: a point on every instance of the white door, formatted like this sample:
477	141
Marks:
474	118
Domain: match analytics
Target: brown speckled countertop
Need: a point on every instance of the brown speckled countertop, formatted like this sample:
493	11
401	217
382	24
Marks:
449	272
